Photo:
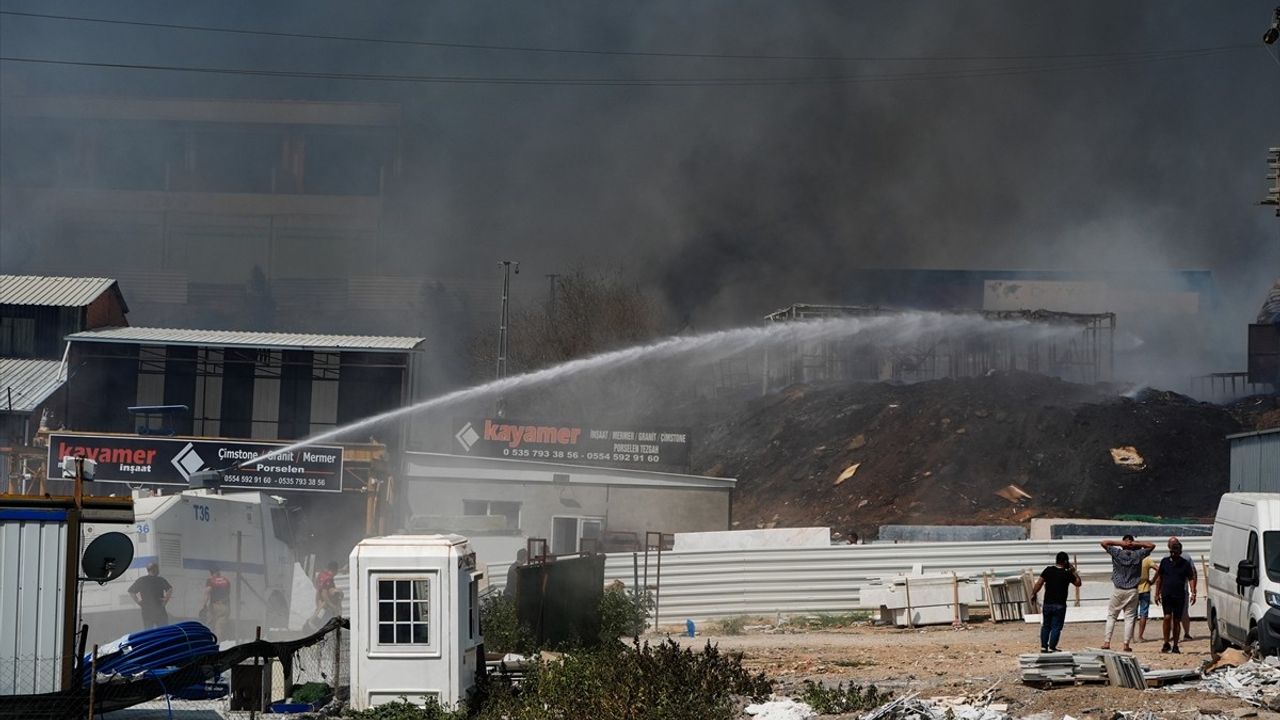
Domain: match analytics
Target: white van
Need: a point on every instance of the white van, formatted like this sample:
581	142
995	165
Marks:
1244	575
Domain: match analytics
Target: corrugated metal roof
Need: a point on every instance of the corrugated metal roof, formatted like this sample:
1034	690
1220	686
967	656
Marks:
27	383
239	338
52	290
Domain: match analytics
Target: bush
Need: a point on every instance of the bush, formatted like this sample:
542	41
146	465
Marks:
840	699
731	625
311	692
827	621
623	614
403	710
641	681
502	631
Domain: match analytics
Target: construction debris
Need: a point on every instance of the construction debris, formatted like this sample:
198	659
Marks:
781	709
913	707
1013	493
1094	666
1128	457
1254	682
848	473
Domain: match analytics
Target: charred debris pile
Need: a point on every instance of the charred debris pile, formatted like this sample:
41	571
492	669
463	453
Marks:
1002	448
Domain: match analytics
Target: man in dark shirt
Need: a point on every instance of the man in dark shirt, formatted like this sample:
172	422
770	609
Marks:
152	593
1055	580
1174	576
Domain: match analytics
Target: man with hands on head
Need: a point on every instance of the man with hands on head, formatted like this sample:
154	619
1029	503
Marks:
1126	566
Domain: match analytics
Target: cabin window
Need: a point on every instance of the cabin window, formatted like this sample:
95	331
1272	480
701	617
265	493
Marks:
404	611
494	508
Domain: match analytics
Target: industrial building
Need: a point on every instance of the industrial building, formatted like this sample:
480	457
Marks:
1084	353
500	504
36	313
1255	461
230	213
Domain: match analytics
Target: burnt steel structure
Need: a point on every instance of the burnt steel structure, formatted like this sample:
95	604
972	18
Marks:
1085	352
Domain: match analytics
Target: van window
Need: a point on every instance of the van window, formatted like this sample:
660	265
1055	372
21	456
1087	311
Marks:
1271	551
1251	552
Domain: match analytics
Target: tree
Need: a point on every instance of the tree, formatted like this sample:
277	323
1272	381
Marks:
593	312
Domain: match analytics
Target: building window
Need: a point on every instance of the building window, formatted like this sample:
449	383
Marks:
404	611
567	533
17	337
494	508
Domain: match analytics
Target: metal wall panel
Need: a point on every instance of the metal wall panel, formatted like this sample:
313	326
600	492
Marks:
789	581
1255	462
31	597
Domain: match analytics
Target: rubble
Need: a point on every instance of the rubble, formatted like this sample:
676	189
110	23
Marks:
1257	683
1049	439
781	709
913	707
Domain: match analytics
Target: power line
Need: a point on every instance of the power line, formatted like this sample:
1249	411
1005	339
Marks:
639	81
589	51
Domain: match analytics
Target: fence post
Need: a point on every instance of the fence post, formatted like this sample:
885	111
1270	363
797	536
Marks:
93	680
955	599
337	658
1075	563
911	622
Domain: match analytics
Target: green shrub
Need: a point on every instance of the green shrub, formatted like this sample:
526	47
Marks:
663	681
403	710
502	631
310	692
731	625
826	700
623	614
827	621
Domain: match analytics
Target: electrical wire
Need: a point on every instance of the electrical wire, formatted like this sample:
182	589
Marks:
593	51
1002	71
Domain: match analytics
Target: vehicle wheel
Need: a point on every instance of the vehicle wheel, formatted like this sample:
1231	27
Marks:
1251	645
1216	643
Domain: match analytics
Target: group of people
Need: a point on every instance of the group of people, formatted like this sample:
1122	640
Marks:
1137	579
152	593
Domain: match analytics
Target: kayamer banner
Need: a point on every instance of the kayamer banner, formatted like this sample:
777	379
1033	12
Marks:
574	443
150	460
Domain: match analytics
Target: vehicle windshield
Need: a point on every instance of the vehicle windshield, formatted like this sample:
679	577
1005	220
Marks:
1271	553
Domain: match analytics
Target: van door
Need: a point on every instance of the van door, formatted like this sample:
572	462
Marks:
1246	593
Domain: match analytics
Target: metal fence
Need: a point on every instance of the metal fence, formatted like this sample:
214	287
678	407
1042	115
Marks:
701	585
243	690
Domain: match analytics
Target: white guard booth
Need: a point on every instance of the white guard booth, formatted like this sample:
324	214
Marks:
415	620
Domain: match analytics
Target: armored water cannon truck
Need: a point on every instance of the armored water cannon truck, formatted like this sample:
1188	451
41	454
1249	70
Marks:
244	535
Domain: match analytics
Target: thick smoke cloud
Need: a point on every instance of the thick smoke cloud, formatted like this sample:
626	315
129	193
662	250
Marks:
732	201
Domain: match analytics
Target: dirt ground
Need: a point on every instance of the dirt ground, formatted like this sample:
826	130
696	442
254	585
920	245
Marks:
943	661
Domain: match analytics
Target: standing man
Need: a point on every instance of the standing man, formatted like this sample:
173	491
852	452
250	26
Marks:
1172	580
325	585
1144	595
1126	565
1186	616
1055	580
152	592
217	602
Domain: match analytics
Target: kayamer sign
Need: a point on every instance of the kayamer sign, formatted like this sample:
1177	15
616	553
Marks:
650	448
153	460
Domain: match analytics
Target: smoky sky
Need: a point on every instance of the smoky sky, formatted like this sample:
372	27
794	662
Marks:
730	201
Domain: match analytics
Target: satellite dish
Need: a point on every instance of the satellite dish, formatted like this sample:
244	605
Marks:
107	557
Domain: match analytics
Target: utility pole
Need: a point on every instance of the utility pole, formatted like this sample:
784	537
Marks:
551	298
502	323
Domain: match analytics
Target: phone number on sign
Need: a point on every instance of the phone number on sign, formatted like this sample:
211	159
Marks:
577	455
278	482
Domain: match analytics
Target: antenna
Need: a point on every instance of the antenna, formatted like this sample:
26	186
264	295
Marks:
107	557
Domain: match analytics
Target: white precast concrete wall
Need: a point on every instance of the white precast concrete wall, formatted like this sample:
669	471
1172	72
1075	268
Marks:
723	583
33	544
